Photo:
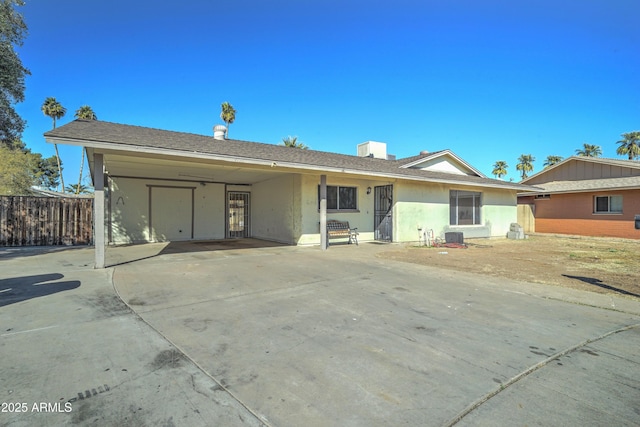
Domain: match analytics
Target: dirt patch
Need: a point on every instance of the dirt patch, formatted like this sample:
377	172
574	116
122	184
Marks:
609	266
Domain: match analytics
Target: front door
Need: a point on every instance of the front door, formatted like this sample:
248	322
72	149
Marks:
382	218
238	215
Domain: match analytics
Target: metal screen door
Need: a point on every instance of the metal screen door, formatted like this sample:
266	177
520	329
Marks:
383	221
238	215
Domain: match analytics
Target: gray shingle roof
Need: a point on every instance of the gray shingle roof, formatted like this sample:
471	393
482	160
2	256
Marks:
627	182
100	134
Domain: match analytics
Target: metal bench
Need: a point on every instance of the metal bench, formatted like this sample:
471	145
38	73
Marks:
340	229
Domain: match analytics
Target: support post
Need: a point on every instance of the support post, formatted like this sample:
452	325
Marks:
323	212
98	210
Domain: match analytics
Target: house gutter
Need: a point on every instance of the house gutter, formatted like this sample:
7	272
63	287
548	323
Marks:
587	190
109	147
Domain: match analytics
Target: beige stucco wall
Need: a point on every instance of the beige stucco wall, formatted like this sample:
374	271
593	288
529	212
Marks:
275	213
128	209
285	209
362	218
426	207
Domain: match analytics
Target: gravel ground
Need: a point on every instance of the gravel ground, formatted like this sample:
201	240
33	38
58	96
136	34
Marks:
603	265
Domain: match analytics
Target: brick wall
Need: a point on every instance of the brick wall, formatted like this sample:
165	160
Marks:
573	214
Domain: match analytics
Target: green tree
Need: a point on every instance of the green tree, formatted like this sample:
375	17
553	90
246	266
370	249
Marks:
552	160
228	115
589	150
46	171
525	164
12	72
52	108
86	113
78	189
499	169
629	145
292	141
16	172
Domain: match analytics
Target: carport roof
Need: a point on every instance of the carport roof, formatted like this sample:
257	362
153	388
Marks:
101	135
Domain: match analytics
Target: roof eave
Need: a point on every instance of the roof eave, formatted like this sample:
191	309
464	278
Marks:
104	145
582	190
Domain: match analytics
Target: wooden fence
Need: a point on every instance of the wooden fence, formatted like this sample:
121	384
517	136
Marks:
42	221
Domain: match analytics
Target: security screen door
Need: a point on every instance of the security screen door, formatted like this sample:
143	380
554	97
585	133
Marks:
238	215
383	220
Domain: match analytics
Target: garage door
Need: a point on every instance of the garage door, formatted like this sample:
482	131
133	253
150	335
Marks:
171	213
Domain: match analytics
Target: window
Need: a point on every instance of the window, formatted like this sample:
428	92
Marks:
607	204
340	198
464	207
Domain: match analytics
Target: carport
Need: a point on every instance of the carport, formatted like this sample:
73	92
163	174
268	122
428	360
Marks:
151	194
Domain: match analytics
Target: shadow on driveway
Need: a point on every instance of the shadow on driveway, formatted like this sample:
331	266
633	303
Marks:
18	289
600	284
130	253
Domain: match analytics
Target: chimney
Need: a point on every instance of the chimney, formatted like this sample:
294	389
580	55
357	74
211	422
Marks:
219	131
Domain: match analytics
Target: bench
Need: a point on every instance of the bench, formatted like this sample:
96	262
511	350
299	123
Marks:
340	229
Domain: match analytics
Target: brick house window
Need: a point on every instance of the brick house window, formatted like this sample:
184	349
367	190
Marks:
607	204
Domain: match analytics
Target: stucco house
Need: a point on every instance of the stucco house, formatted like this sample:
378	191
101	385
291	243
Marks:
161	185
586	196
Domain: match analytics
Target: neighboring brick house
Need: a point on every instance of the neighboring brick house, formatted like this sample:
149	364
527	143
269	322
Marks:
586	196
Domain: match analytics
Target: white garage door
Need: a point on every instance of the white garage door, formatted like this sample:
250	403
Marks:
171	213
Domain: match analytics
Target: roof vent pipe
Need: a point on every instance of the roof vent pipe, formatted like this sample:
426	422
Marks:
423	152
219	131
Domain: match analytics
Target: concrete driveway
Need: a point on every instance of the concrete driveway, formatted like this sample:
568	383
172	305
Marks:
72	353
305	337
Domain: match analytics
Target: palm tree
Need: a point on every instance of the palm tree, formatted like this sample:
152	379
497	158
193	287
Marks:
552	160
629	145
55	110
85	112
292	141
500	168
589	150
525	164
228	115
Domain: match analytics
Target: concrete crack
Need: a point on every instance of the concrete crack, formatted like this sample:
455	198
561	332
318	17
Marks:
529	371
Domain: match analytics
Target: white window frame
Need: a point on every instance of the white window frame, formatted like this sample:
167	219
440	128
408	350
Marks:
609	210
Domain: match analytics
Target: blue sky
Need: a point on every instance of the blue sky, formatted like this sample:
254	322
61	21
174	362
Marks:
490	80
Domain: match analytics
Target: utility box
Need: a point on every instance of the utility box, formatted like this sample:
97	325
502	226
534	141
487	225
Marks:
637	222
454	237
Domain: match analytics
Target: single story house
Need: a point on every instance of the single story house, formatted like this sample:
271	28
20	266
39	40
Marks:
157	185
587	196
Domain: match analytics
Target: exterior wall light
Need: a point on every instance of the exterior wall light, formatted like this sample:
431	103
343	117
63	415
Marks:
368	190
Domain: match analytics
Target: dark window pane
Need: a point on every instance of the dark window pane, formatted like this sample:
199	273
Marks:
332	197
465	210
602	204
347	198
